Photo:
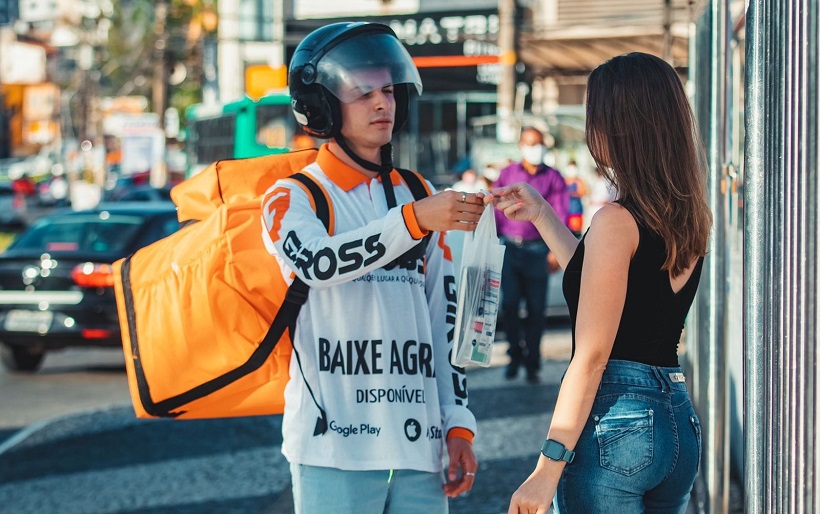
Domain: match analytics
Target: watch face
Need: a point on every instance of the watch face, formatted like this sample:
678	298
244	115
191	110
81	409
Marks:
556	451
553	449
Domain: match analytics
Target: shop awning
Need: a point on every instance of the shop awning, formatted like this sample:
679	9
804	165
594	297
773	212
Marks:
578	35
577	56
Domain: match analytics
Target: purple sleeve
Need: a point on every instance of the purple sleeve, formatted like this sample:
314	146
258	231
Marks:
500	220
558	197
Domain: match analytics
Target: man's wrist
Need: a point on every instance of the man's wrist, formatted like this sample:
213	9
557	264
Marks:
461	433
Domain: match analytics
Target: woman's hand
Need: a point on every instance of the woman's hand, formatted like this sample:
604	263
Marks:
534	496
449	210
518	202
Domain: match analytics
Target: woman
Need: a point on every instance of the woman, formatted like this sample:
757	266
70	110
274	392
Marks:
623	407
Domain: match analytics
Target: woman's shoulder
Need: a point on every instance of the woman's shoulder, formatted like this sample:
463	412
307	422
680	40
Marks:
613	227
613	215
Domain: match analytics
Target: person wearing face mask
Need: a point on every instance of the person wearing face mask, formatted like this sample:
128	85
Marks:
525	273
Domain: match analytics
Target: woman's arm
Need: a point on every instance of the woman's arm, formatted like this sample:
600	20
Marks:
610	244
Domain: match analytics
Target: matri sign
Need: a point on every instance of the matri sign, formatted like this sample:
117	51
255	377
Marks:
311	9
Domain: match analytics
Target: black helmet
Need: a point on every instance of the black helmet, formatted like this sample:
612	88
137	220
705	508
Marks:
320	76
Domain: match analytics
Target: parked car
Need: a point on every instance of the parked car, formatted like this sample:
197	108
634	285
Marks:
137	188
56	282
144	194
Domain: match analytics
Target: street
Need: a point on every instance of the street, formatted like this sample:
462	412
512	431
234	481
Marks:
70	443
87	453
70	381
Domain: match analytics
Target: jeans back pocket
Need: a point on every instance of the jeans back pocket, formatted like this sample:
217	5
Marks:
625	440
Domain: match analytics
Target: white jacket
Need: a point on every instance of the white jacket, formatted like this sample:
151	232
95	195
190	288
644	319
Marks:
373	339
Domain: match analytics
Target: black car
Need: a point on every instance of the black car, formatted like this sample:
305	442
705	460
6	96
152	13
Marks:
141	194
56	285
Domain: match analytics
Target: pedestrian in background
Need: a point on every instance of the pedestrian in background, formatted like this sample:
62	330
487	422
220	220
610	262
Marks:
373	403
470	182
577	189
601	193
624	436
525	274
490	174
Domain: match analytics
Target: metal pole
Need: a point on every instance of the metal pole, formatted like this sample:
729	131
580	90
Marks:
667	31
279	32
714	418
5	140
160	82
758	256
461	124
781	258
505	130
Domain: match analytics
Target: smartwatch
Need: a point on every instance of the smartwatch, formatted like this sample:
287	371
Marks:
553	450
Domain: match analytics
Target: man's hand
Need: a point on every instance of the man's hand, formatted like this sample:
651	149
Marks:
449	210
462	459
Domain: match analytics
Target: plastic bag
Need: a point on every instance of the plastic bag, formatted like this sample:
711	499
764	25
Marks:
478	294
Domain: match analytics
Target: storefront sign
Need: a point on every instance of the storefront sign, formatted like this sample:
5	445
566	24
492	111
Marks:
454	50
447	29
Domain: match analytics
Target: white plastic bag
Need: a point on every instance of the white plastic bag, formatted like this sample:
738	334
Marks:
478	294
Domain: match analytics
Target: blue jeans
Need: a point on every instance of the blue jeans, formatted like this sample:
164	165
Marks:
319	490
524	276
640	448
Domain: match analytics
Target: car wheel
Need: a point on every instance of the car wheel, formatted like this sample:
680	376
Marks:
18	358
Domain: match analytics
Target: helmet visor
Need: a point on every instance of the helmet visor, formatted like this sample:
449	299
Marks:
366	63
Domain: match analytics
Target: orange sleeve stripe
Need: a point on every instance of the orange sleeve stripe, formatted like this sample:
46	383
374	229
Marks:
331	216
448	254
461	433
412	223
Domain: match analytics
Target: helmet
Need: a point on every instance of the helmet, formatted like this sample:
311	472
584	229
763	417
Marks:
321	73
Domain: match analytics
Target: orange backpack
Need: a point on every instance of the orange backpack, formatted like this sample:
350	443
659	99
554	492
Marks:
205	313
197	308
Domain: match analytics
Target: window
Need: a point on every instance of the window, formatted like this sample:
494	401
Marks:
213	139
256	20
273	125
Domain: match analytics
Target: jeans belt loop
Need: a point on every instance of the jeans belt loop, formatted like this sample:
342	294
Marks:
660	378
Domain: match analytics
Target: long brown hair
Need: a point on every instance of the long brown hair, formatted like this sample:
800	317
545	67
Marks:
643	136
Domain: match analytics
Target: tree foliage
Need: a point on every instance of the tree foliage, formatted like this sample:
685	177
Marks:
129	68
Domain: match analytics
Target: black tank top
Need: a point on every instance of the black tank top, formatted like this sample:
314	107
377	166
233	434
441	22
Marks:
653	316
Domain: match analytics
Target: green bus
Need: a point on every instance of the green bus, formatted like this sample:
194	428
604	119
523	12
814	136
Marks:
244	128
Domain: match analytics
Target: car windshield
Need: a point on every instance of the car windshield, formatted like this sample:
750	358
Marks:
95	233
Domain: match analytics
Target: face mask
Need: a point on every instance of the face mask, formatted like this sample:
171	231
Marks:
491	173
534	154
